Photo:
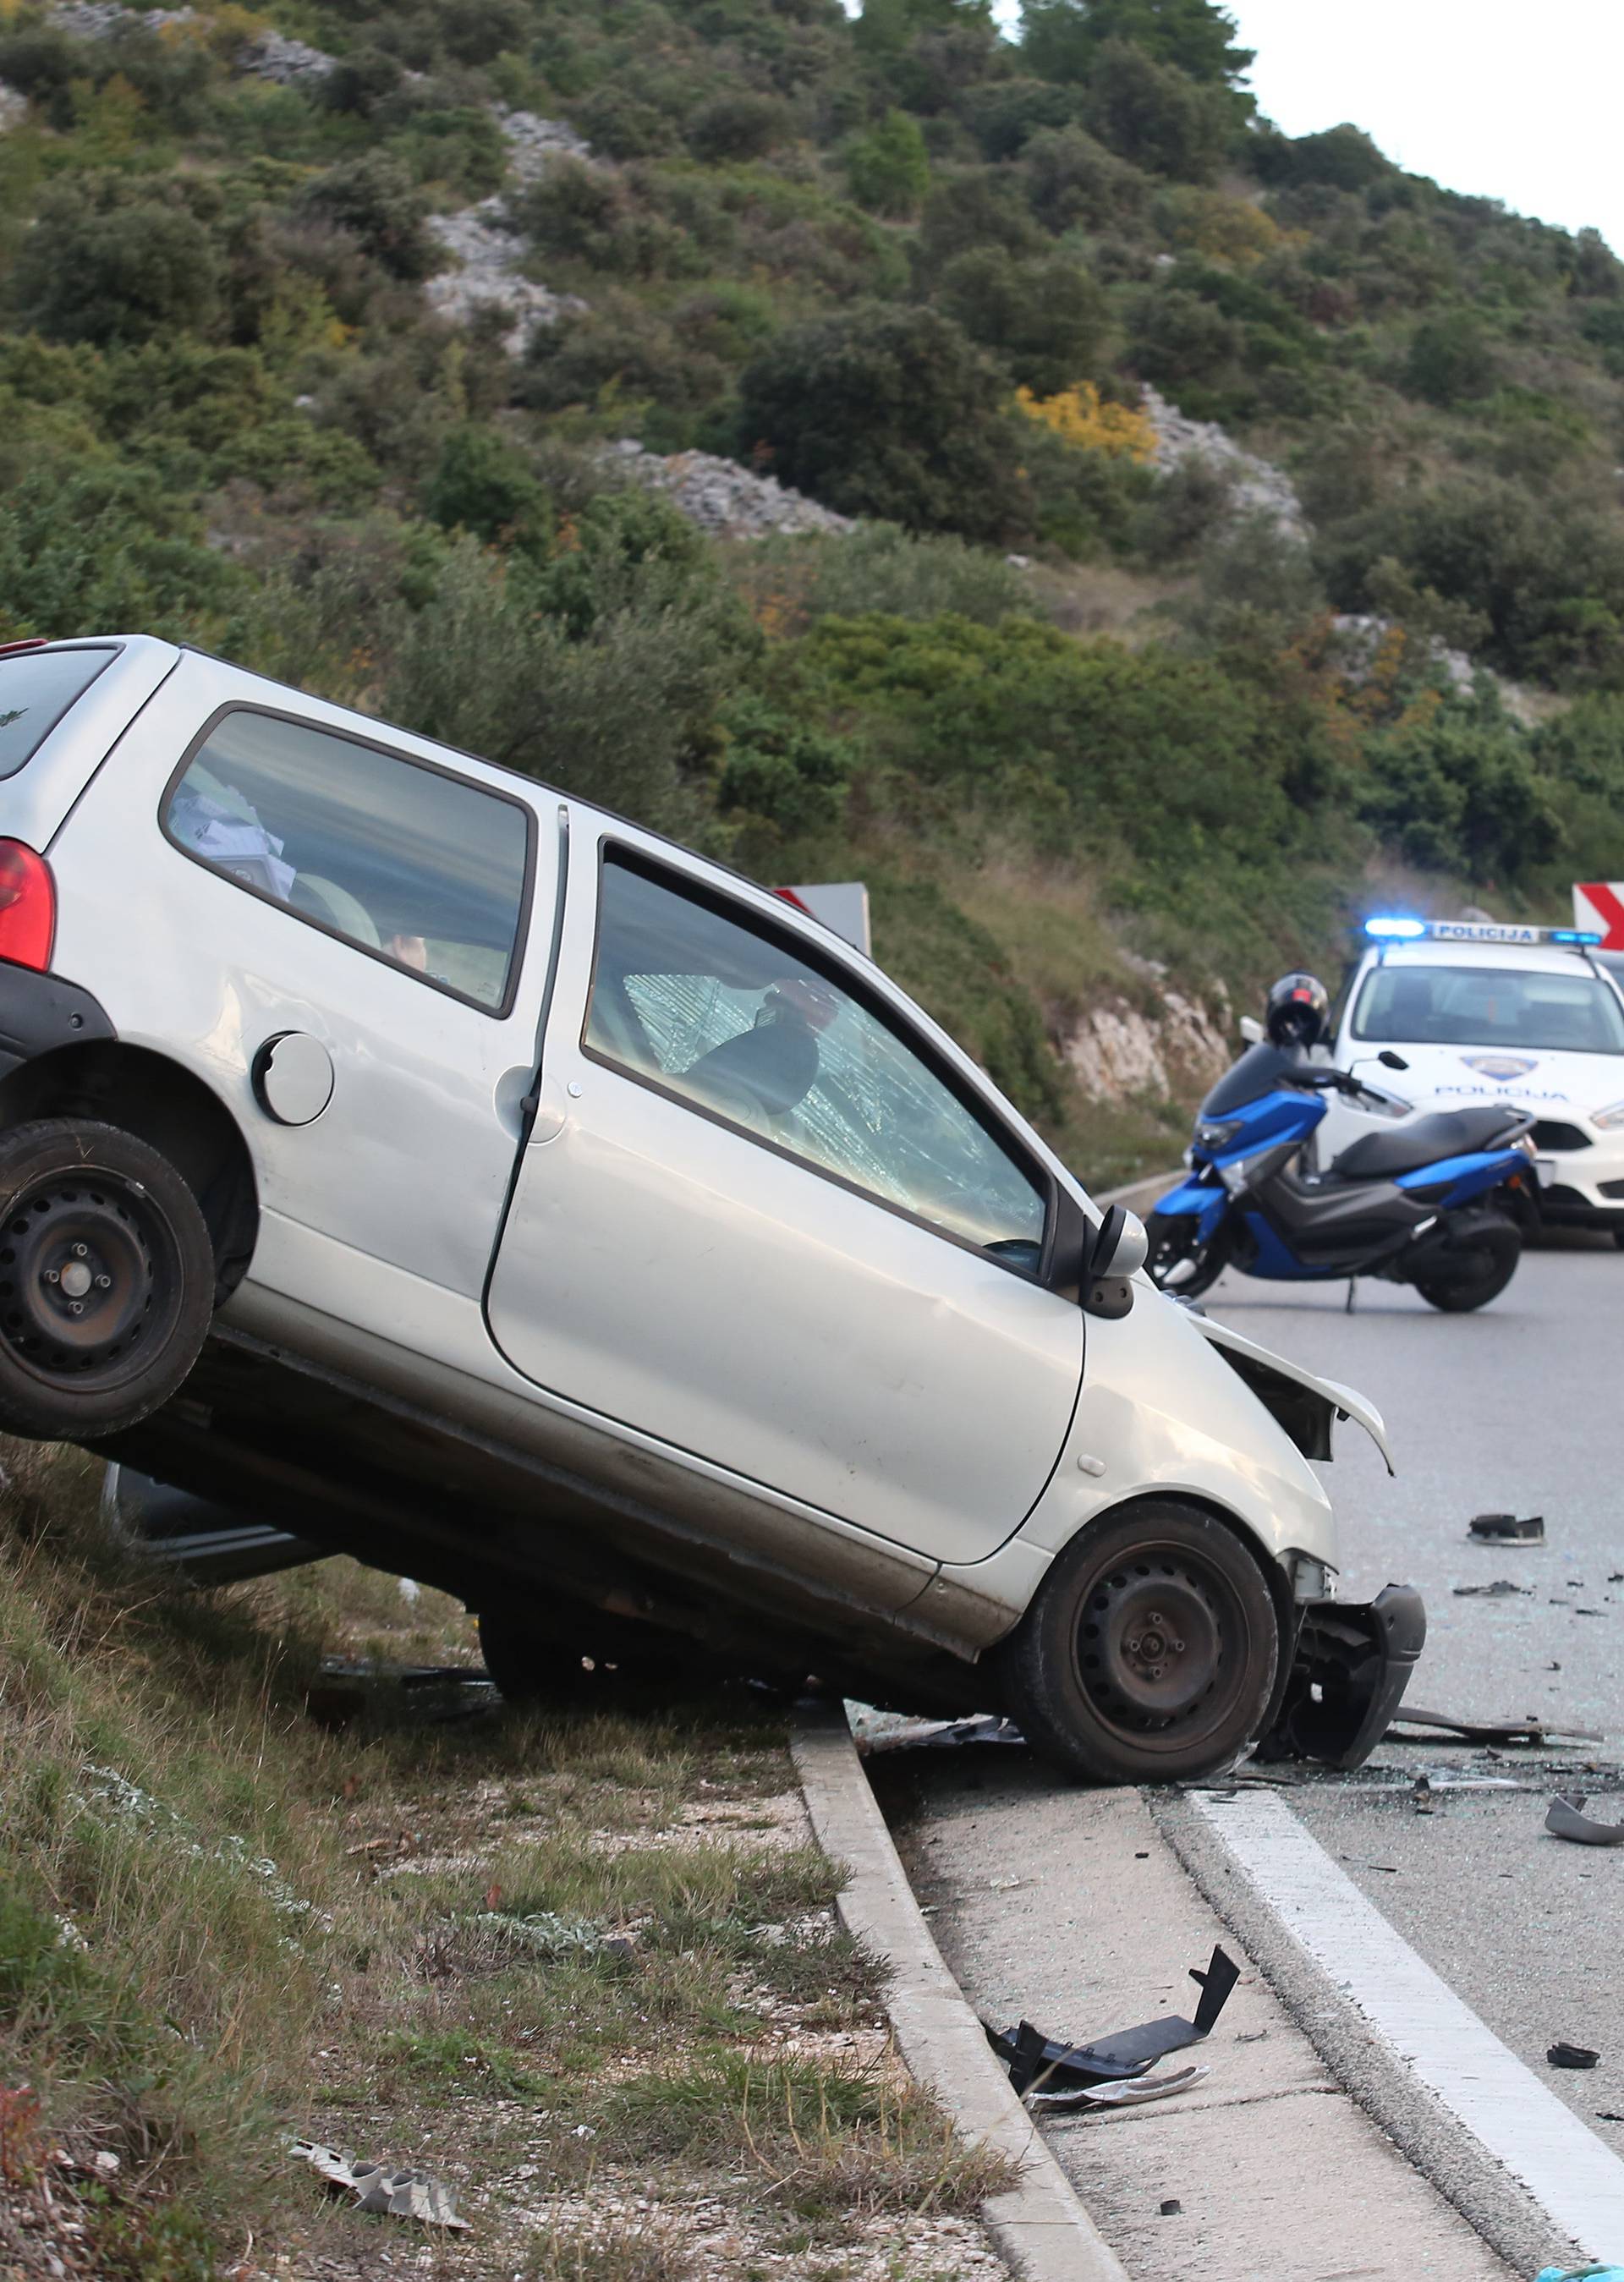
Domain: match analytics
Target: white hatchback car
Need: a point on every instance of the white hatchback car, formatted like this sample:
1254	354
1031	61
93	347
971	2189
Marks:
1491	1010
399	1154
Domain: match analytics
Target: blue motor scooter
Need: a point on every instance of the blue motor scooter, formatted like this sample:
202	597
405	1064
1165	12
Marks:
1433	1201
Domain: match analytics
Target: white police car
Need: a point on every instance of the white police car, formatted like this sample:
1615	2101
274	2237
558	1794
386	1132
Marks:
1485	1011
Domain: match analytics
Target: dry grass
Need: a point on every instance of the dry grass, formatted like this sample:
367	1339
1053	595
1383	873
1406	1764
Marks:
584	1967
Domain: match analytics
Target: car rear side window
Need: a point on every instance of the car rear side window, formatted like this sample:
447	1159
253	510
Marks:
734	1022
405	861
36	689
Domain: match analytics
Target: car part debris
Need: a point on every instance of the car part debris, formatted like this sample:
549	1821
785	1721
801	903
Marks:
1036	2062
1498	1591
1564	1820
1421	1794
1531	1730
1581	2273
1350	1671
1129	2091
1170	2208
1507	1528
1571	2056
545	1934
397	2194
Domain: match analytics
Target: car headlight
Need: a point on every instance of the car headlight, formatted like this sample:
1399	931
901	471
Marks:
1608	1118
1220	1135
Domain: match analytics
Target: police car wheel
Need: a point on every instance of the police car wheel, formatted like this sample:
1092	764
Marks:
106	1280
1150	1654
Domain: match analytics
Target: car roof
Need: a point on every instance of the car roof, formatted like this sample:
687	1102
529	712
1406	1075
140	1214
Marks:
1528	957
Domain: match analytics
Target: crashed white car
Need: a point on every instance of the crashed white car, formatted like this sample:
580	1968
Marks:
399	1157
1488	1011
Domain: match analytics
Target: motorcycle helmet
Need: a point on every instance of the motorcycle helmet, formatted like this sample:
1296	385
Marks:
1299	1012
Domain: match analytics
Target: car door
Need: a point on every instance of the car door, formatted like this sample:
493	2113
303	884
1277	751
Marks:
332	933
765	1220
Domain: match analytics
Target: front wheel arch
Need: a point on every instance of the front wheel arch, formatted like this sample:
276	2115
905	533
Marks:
1038	1694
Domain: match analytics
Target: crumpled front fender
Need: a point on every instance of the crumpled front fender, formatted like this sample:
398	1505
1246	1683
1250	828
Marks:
1352	1665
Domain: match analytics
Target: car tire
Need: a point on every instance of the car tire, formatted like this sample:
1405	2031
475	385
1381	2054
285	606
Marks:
1150	1654
1618	1238
106	1280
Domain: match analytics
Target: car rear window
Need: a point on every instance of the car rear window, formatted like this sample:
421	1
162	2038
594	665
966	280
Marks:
36	689
398	857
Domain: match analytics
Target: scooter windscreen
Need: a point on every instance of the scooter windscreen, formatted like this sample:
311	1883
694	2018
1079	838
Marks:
1260	1070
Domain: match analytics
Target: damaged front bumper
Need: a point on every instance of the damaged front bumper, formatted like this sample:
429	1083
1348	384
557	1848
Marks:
1351	1666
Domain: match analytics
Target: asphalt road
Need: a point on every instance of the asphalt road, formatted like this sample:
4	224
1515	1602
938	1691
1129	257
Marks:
1519	1409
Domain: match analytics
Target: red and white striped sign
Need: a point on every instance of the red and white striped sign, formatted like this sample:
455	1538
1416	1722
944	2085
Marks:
1599	904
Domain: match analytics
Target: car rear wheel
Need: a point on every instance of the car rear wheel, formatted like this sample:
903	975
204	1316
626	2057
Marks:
1479	1262
1150	1654
106	1280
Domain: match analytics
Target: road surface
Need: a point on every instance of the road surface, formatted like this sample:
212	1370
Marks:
1519	1409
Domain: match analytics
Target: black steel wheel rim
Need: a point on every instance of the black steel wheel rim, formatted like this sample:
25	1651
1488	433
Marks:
1170	1250
1159	1637
89	1274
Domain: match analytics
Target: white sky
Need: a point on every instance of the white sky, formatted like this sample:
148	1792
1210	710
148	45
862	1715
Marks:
1495	97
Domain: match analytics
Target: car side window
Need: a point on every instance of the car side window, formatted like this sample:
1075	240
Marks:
734	1020
420	868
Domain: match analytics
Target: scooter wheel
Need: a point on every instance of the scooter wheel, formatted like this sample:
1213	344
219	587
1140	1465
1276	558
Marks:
1481	1261
1176	1260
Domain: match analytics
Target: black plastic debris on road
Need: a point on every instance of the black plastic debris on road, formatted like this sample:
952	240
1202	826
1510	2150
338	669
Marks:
1531	1730
1565	1819
1507	1528
1037	2062
1571	2056
1499	1590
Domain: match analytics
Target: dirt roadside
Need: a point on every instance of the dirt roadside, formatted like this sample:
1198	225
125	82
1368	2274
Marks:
579	1965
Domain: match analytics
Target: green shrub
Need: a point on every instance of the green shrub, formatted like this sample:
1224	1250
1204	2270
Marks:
780	770
1175	338
971	211
618	354
738	125
1156	115
886	168
375	201
1004	115
1062	39
486	484
108	261
1046	319
1073	180
887	412
1454	791
1449	358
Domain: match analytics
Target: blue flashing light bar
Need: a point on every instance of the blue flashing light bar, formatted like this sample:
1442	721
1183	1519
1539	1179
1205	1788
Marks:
1399	928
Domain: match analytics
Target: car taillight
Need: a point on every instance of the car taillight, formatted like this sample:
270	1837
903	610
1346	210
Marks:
28	906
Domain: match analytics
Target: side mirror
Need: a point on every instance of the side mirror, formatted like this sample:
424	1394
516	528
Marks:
1252	1030
1118	1252
1392	1061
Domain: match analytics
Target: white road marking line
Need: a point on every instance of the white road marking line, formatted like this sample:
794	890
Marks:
1575	2178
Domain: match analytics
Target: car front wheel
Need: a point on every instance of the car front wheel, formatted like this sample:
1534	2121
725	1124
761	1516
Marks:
1150	1654
106	1280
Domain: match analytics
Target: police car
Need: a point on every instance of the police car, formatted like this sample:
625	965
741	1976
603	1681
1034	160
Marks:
1485	1010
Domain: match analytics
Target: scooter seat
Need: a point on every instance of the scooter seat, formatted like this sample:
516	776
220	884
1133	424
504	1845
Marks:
1423	1141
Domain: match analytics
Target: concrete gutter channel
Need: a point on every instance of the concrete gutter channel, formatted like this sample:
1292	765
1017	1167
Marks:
1311	2149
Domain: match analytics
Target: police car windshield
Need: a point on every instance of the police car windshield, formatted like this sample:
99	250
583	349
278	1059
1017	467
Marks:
1572	1013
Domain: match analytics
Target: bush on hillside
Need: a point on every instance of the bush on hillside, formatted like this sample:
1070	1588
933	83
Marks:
1062	39
485	485
738	125
891	413
1454	790
1005	113
974	211
888	167
1045	319
110	260
373	200
1449	358
1155	116
781	771
1073	180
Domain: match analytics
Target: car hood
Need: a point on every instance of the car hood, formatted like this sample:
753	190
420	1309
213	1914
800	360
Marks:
1287	1387
1455	1077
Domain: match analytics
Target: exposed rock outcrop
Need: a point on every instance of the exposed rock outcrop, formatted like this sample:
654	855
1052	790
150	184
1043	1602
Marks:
13	107
290	63
1257	487
723	498
1121	1053
490	254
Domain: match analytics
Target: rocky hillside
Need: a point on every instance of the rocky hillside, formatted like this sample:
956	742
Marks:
1006	469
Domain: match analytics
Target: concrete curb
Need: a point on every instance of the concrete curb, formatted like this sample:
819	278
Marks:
1039	2227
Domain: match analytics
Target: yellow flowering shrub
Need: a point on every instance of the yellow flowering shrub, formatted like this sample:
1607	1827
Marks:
1080	415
